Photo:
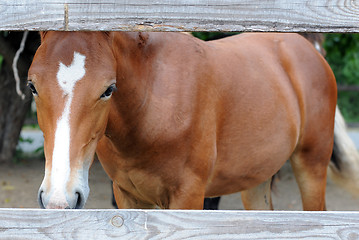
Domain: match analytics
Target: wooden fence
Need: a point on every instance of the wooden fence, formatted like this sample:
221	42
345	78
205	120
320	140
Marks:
181	15
176	224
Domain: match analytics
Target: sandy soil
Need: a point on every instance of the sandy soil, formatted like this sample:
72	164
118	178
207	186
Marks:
19	184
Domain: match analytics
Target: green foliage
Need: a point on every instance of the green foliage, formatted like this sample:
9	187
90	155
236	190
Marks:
5	34
348	103
26	140
31	126
20	155
343	57
206	36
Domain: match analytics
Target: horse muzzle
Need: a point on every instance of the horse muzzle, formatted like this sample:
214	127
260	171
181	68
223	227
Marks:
54	200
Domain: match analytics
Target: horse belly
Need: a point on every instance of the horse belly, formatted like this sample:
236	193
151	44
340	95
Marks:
251	149
238	174
237	169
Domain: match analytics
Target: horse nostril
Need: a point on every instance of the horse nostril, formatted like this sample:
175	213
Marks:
41	203
79	200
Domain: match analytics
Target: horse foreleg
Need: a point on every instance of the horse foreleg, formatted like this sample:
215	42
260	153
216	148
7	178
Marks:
259	197
190	195
193	200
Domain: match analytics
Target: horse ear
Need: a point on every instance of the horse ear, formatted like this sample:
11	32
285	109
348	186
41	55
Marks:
42	35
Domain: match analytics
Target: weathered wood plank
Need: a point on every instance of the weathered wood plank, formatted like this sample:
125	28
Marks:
166	224
181	15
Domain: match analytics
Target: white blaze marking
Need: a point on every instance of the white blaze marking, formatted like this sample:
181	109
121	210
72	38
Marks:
67	77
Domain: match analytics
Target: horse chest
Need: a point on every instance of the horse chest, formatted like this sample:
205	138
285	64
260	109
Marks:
142	185
132	174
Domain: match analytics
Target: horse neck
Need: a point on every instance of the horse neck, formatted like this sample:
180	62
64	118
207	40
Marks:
133	57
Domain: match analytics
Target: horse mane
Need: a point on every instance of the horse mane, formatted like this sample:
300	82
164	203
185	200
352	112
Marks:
44	33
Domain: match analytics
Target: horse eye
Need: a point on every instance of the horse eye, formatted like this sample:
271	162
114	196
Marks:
107	94
32	88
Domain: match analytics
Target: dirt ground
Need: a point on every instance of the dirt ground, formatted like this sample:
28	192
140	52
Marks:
19	184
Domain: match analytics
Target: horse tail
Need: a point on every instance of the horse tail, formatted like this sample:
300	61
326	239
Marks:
344	164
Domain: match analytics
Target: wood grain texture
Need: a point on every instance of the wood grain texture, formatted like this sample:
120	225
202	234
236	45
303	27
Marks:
181	15
176	224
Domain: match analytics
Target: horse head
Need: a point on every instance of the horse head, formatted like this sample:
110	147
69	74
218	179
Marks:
72	78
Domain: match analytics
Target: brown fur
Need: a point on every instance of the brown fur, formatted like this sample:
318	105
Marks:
192	119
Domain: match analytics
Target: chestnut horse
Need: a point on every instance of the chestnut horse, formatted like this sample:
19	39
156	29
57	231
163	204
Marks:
190	119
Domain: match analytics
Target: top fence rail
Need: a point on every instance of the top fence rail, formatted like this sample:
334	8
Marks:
181	15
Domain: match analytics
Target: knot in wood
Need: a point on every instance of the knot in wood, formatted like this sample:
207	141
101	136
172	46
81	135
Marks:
117	221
